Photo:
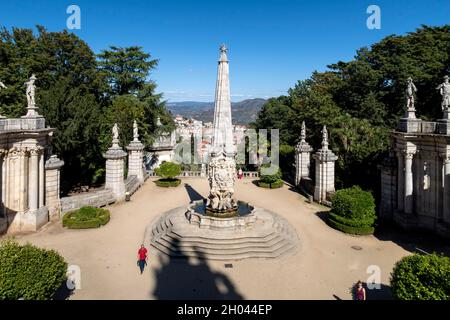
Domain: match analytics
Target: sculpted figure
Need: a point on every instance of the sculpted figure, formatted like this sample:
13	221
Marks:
444	90
115	132
410	91
31	91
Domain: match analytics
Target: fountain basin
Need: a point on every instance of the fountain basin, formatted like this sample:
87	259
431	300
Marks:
242	217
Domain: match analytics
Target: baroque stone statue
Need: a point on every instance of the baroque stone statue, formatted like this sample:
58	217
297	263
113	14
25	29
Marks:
444	90
115	132
31	91
135	131
410	92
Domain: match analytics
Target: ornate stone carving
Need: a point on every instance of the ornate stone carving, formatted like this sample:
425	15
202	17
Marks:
135	131
222	176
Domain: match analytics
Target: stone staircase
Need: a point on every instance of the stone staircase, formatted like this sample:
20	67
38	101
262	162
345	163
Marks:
270	238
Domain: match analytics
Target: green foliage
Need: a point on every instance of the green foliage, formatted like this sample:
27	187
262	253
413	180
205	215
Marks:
269	173
353	211
168	170
29	272
419	277
360	101
166	183
79	96
273	185
86	218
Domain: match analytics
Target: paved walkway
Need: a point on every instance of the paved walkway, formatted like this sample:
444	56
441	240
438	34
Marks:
325	268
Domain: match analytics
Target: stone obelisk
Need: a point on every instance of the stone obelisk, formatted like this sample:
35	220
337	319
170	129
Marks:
222	165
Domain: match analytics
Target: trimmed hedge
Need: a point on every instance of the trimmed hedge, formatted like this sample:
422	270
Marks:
29	272
421	277
86	218
274	185
166	183
269	178
353	211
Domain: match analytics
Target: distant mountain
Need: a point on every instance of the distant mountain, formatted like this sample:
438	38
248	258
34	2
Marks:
243	112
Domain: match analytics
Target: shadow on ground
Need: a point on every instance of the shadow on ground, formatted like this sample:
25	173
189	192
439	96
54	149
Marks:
190	278
193	194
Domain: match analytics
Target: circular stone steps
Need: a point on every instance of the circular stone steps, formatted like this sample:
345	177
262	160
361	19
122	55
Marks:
270	237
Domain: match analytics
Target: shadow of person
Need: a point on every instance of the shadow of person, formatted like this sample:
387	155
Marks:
186	277
193	194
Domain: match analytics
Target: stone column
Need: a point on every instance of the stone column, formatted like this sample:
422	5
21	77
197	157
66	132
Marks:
324	180
115	156
446	189
400	181
52	186
302	157
33	182
41	179
408	195
136	156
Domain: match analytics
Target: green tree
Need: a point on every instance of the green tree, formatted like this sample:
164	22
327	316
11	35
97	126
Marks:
168	170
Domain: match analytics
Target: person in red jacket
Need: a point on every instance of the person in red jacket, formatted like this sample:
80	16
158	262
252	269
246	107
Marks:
142	258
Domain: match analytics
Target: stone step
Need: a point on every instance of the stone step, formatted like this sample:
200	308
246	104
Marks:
189	243
192	247
275	254
223	241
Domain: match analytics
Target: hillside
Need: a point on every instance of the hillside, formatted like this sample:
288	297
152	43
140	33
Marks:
243	112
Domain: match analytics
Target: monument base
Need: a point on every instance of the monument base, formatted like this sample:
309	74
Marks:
409	125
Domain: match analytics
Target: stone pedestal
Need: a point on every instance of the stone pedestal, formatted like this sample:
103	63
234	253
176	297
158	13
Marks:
114	179
411	124
302	157
324	180
52	186
136	160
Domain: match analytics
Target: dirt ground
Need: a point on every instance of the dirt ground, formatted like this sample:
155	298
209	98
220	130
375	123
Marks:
327	265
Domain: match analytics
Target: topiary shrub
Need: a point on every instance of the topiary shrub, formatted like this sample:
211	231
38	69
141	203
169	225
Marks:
353	211
270	176
168	171
86	218
29	272
421	277
166	183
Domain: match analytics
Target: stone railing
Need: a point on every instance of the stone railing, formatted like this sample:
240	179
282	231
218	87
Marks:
99	198
22	124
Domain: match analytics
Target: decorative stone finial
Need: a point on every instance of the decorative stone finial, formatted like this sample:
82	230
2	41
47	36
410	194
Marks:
324	138
303	133
135	131
223	53
158	122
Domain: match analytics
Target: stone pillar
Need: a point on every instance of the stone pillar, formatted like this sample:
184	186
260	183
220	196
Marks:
400	181
136	156
114	180
324	180
41	180
408	195
33	180
446	189
52	186
302	157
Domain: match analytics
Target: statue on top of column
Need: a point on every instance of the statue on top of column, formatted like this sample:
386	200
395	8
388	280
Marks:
31	91
444	90
115	132
325	137
410	91
135	131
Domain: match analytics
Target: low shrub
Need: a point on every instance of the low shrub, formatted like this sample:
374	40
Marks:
168	170
273	185
353	211
421	277
166	183
86	218
28	272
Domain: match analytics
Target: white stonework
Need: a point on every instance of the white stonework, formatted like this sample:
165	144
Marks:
415	181
222	165
115	156
302	157
162	149
135	156
325	170
52	186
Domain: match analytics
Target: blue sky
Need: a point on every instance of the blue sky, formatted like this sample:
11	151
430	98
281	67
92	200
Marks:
272	43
